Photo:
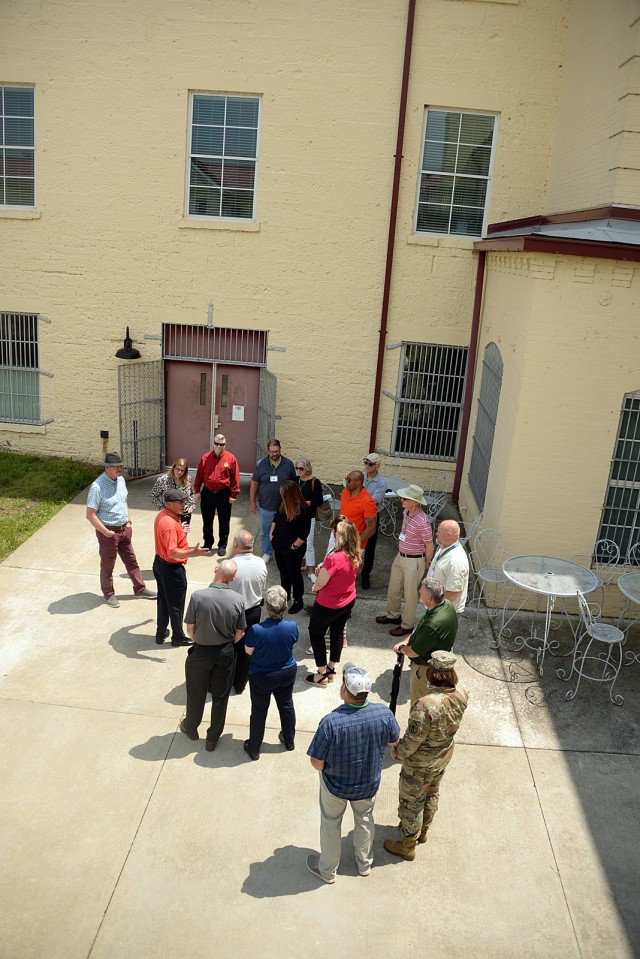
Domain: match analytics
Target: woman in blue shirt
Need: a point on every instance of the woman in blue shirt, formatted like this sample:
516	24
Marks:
272	669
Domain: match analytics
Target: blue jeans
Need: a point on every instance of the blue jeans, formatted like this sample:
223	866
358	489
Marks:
266	519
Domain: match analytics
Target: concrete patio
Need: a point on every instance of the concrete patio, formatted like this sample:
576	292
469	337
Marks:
122	838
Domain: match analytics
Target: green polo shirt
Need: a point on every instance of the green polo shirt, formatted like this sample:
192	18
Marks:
436	630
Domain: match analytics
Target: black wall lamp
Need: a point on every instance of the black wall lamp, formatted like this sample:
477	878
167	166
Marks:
127	352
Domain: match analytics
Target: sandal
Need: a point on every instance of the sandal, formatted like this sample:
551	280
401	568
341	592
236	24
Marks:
330	674
312	681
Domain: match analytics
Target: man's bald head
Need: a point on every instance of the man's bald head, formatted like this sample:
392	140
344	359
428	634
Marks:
448	532
225	571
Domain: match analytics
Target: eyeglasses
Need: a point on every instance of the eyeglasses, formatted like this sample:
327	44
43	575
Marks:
180	469
368	463
219	444
300	469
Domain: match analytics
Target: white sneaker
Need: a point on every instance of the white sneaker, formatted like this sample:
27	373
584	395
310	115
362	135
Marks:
312	578
309	651
267	557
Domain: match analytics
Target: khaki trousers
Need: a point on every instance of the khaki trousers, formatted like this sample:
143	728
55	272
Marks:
331	812
404	580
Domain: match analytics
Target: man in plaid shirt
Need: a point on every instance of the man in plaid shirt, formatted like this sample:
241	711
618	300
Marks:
348	750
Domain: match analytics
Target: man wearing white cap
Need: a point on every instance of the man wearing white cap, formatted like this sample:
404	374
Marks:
376	487
415	549
347	750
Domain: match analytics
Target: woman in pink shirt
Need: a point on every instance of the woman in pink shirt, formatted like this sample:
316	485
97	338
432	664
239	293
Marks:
335	590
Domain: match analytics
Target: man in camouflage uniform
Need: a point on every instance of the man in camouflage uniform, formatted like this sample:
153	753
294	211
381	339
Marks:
425	751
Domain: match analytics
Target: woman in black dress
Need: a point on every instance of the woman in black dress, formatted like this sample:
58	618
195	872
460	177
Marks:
288	536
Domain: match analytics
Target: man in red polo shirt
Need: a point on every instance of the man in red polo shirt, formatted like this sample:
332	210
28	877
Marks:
172	552
217	484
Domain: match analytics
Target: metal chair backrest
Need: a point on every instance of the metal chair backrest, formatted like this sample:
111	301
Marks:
633	556
439	483
585	612
488	550
469	533
434	509
605	559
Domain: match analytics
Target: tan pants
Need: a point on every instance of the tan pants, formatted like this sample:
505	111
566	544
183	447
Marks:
331	812
404	580
417	682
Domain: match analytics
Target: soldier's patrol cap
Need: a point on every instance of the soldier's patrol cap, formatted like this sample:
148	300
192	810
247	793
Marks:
442	660
356	680
175	496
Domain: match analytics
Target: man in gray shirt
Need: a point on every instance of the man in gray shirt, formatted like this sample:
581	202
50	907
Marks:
249	583
215	620
376	487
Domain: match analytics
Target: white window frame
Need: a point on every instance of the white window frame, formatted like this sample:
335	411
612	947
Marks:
213	218
4	146
20	368
621	522
488	178
411	401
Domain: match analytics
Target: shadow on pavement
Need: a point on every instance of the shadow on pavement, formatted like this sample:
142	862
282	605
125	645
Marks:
131	644
74	604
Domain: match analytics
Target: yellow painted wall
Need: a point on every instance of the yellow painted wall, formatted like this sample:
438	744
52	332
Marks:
559	412
596	152
110	246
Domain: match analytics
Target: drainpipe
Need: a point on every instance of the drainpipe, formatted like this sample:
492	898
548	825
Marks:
471	370
393	213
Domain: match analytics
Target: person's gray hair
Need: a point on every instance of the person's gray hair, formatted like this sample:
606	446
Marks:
434	587
243	539
275	602
305	462
226	570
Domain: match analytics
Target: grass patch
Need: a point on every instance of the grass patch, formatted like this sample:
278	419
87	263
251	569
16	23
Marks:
32	490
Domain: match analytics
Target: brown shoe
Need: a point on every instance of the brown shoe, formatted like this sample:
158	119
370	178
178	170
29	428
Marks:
400	631
183	729
209	745
388	620
405	848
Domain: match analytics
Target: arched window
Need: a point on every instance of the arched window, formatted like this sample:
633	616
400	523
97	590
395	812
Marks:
621	511
486	422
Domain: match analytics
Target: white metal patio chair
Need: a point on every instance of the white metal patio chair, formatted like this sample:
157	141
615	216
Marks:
603	560
633	556
328	497
471	529
486	560
388	518
606	663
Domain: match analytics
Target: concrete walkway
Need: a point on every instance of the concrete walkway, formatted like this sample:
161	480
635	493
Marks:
121	838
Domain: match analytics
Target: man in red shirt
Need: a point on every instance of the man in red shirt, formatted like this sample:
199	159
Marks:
217	484
172	552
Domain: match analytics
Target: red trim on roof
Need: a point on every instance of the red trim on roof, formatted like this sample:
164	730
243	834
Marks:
535	243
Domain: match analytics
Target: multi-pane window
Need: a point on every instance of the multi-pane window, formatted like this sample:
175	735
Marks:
19	374
224	156
455	172
488	401
621	511
17	146
429	401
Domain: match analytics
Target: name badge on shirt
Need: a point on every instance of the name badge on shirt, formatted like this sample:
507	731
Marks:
273	479
402	537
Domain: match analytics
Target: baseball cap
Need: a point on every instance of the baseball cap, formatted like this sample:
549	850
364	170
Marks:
356	680
373	458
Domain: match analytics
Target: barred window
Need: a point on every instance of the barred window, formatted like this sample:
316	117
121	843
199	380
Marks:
223	156
455	172
488	401
429	401
621	511
19	373
17	146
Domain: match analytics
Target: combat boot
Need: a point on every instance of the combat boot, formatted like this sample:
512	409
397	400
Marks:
423	834
405	848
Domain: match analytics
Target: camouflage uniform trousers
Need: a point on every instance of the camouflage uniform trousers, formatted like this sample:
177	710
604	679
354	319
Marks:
420	777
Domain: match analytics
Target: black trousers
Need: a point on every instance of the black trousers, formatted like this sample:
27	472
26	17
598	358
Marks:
370	552
208	669
211	502
334	620
289	563
241	671
172	593
262	686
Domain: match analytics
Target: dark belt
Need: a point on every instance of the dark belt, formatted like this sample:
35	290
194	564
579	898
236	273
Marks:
168	562
213	645
412	555
115	529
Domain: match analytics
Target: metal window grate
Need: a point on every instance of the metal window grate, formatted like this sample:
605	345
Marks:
207	344
620	520
429	401
488	402
19	372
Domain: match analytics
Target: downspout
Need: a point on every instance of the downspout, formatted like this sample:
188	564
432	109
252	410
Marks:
393	214
471	368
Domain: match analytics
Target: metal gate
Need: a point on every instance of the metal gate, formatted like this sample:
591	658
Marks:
141	407
266	411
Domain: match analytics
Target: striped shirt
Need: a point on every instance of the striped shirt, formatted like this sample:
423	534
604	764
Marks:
417	533
109	499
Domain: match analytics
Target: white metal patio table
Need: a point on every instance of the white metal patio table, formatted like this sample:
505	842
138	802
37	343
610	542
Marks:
629	586
553	578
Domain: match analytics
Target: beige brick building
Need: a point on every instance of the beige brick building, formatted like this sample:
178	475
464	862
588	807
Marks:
224	179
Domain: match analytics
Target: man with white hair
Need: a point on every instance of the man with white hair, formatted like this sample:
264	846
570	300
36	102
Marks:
249	583
348	750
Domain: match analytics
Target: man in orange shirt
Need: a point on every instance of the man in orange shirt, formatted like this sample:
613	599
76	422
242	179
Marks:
217	484
172	552
358	506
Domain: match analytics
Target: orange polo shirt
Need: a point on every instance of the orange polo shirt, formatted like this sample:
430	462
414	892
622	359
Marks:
169	536
358	508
